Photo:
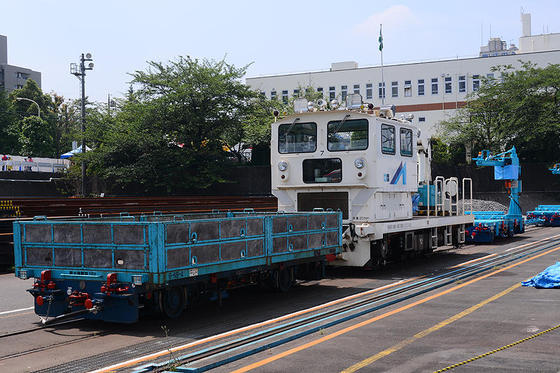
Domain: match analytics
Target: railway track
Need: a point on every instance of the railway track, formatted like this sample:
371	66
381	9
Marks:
53	207
293	326
212	356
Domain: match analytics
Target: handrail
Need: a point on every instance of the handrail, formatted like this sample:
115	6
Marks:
470	195
439	194
452	195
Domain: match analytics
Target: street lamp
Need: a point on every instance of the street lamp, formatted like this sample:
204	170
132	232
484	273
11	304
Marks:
80	73
30	100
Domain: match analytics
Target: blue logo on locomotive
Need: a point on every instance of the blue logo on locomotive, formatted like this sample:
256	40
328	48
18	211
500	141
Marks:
401	171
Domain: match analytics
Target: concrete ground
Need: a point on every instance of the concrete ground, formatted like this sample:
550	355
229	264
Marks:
512	316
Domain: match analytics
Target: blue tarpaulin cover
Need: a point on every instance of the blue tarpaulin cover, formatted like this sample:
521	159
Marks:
547	279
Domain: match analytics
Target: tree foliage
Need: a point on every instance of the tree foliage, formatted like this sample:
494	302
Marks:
36	137
23	132
8	129
520	109
169	134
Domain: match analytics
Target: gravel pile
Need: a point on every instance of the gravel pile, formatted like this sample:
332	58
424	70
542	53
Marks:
482	205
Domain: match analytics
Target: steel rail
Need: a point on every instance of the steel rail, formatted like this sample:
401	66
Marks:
424	286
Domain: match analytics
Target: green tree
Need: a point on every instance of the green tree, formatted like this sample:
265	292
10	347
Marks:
521	109
35	137
51	107
169	133
8	128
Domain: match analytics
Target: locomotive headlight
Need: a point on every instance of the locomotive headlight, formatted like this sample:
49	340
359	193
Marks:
283	166
359	163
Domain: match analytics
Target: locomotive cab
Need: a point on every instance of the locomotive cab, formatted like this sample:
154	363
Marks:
356	162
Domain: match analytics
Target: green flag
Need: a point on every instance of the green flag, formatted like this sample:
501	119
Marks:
380	39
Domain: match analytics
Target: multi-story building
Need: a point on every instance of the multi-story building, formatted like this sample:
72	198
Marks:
431	91
13	77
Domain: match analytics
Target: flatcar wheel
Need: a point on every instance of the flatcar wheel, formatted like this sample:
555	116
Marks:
173	302
285	279
384	252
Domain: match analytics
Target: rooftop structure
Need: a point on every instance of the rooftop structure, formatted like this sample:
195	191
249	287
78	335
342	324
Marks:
13	77
431	90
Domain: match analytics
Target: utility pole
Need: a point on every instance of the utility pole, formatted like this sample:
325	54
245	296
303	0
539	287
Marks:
381	50
80	73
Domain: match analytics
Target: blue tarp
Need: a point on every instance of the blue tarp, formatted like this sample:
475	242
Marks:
548	279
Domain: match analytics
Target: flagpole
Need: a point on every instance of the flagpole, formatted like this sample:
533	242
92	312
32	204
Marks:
382	78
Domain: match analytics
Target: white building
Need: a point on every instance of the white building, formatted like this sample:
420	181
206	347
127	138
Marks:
431	91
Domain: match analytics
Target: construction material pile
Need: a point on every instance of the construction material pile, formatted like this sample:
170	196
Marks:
483	205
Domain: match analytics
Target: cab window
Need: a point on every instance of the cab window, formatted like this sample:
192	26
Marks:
387	139
297	138
406	142
326	170
347	135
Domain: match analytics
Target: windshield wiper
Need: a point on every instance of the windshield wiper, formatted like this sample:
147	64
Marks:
340	124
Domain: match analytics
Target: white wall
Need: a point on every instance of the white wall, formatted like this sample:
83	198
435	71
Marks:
434	112
539	43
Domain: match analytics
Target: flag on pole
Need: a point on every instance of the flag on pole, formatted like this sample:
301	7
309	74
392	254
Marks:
380	39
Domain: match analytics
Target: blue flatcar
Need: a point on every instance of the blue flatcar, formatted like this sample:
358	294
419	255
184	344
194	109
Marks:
545	215
111	269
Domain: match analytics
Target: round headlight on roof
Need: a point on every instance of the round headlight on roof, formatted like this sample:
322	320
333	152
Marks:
359	163
283	166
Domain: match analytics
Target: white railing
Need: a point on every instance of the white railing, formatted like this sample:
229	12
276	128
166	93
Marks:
468	202
18	163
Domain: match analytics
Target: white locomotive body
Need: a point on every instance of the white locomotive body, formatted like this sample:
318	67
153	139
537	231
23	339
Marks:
365	165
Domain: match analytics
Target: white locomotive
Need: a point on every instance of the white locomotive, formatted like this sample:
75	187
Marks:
365	163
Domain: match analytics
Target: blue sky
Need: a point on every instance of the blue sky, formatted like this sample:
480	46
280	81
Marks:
276	37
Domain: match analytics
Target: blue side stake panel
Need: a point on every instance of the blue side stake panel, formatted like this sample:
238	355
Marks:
110	268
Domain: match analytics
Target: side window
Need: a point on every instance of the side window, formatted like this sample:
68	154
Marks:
387	139
347	135
297	138
406	142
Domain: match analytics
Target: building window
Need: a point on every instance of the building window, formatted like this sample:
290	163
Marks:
369	91
407	88
382	90
490	75
285	97
320	92
435	86
357	88
421	119
343	92
475	82
296	92
448	83
332	93
462	83
420	87
394	89
273	95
